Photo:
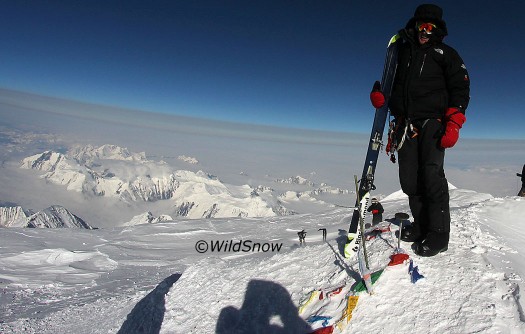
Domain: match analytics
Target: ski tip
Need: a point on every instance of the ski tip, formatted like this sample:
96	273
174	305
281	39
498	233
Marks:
393	39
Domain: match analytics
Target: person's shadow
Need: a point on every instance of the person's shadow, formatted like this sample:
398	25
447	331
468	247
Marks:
148	314
267	308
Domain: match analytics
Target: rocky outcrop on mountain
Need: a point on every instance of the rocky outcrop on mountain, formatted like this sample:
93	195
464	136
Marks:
326	189
184	209
189	160
147	218
281	210
147	188
13	216
296	180
56	216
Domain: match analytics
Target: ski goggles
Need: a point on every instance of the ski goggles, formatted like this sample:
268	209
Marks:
426	27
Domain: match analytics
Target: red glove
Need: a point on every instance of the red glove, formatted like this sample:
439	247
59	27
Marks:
376	96
454	120
375	212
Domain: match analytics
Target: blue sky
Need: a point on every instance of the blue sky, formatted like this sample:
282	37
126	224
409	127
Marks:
304	64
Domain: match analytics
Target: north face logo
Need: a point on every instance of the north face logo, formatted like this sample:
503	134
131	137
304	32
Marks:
439	51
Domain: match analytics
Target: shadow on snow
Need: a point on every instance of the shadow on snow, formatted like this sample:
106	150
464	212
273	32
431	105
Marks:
148	314
267	308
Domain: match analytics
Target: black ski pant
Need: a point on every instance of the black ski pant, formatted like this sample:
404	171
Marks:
423	179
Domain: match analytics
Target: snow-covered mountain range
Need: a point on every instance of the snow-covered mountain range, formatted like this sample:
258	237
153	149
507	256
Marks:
115	172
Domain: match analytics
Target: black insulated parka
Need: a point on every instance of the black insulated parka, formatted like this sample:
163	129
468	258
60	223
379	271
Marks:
430	78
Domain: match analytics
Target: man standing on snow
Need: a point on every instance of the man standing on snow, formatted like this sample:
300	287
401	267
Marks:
429	97
377	211
302	237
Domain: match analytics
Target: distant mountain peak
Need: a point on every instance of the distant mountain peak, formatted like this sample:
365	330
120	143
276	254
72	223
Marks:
89	154
54	216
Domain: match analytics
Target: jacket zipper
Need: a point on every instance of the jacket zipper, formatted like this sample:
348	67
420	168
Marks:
423	64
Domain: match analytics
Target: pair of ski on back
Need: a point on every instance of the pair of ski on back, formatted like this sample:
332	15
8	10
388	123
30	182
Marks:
366	184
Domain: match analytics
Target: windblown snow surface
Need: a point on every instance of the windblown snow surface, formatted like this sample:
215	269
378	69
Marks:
151	278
